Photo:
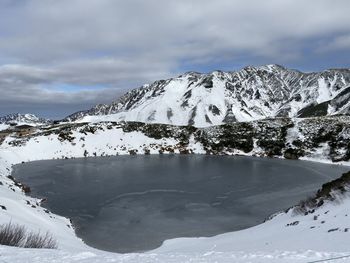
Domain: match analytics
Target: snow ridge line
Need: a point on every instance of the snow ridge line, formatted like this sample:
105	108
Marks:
329	259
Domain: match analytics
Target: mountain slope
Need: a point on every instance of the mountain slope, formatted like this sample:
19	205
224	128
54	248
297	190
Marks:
17	118
222	97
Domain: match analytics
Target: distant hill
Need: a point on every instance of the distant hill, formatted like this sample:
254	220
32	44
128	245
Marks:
20	119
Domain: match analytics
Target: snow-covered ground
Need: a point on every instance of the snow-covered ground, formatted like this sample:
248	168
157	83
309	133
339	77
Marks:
15	255
320	235
3	126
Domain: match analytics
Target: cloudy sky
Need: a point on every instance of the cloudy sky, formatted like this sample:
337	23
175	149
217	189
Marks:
57	57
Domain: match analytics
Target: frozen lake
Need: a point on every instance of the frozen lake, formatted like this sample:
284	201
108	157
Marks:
134	203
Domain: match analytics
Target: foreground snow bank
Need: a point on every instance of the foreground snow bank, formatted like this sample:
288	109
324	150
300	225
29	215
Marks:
15	255
288	237
327	229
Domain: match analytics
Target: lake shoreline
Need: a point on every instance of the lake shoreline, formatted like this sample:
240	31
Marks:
132	161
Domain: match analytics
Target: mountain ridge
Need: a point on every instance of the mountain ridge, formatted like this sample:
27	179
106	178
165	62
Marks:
206	99
27	118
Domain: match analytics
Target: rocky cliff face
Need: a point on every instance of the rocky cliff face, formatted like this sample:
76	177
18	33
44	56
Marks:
252	93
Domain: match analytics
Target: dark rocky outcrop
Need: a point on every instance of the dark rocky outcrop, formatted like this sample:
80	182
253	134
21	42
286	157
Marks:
327	192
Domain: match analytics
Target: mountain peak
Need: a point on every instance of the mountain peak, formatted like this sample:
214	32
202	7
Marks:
218	97
19	118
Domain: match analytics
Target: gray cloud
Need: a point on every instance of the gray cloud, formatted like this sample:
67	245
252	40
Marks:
49	102
106	71
341	42
118	45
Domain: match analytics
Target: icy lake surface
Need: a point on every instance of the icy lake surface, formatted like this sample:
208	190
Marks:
134	203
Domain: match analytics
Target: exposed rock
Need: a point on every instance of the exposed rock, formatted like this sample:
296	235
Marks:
293	154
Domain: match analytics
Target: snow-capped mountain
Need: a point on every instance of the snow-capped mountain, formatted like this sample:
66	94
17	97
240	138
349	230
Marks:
251	93
17	118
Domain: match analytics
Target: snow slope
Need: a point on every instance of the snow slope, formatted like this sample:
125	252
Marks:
251	93
272	241
3	126
22	119
325	230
